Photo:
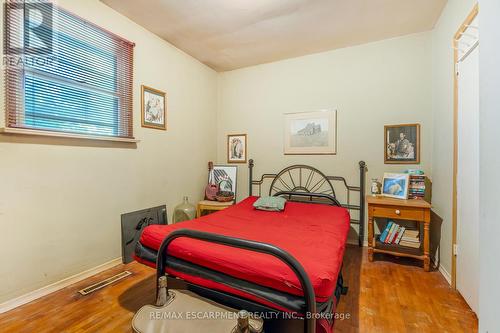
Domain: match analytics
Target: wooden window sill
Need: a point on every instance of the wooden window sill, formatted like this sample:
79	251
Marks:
23	131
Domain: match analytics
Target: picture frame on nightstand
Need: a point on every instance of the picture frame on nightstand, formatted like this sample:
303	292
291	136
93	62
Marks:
396	185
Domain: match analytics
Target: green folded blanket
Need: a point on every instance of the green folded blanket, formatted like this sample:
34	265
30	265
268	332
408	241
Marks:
272	204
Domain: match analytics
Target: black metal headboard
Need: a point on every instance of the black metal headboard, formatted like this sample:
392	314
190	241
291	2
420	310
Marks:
303	182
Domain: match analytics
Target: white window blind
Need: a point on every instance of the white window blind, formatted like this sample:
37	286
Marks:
81	83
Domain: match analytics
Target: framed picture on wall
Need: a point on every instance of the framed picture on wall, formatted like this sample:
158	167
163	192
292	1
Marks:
154	108
402	144
311	133
395	185
237	148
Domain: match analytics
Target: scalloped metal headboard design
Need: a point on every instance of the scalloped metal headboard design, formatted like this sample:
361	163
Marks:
306	183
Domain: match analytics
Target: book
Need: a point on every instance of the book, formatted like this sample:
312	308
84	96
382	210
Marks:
411	240
391	233
416	188
410	236
411	233
396	227
394	234
417	176
393	238
386	231
400	235
386	240
414	172
409	244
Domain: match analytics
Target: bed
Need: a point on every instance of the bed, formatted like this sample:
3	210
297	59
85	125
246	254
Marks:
266	262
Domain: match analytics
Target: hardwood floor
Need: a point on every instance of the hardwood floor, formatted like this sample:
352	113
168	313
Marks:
384	296
397	295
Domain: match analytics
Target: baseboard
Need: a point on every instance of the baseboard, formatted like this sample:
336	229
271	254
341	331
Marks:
443	271
445	274
44	291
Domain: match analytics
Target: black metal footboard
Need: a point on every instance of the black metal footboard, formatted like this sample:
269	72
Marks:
289	260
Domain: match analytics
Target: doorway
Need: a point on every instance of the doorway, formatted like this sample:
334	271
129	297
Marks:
466	164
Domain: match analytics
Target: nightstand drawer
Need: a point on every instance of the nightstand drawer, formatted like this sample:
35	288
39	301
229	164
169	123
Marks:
397	212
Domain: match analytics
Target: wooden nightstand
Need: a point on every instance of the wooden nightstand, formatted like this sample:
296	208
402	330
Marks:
211	206
410	210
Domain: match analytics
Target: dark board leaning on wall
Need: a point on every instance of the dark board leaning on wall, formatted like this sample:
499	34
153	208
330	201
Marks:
133	224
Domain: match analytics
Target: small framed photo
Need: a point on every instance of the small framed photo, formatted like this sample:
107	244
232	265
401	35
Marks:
402	144
311	133
237	148
154	108
395	185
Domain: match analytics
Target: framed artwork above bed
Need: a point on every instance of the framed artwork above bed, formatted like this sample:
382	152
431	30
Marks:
311	133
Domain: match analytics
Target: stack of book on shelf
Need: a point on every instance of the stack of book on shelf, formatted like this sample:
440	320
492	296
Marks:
396	234
417	187
410	238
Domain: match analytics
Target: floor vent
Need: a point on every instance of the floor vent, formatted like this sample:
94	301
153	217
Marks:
104	283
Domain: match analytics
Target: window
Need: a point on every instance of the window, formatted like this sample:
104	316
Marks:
64	74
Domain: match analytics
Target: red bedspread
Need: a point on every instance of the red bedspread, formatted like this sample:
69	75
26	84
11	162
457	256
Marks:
314	234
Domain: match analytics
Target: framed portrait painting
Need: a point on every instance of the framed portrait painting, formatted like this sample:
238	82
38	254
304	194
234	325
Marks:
311	133
402	144
154	108
237	148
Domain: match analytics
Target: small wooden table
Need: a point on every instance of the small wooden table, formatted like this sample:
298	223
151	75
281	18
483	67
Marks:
409	210
211	206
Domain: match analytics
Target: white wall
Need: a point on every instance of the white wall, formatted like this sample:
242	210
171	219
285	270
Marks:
61	200
489	227
452	17
372	85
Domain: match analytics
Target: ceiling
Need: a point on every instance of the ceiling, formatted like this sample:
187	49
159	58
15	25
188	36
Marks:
231	34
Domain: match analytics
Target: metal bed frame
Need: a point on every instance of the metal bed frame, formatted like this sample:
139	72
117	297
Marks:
295	191
303	181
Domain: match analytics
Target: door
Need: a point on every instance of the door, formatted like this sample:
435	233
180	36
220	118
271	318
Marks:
468	173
